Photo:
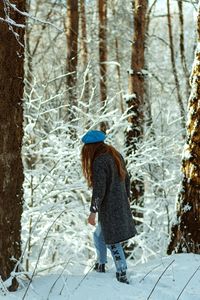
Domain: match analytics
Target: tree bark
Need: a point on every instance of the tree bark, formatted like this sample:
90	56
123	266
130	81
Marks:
117	57
72	55
103	54
147	95
182	48
84	51
185	233
174	69
135	99
11	128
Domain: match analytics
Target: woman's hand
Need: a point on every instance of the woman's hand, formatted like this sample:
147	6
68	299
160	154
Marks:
91	219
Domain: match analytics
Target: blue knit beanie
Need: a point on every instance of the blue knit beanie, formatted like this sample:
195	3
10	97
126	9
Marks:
93	136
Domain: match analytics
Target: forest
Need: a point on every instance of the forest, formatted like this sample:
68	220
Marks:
130	69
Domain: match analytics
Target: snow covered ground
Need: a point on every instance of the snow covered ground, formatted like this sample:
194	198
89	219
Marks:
177	277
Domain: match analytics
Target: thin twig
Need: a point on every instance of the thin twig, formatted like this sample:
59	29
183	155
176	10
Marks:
160	278
149	272
188	282
25	14
64	284
83	278
40	253
51	289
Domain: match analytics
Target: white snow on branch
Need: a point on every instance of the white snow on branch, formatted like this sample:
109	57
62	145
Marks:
11	22
130	71
25	14
145	72
186	153
141	72
110	63
128	97
198	47
187	207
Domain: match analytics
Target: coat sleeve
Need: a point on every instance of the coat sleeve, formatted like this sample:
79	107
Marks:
99	185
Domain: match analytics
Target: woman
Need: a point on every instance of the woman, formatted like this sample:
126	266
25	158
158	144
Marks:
105	171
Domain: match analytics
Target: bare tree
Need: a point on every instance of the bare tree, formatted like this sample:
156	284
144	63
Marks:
135	99
185	234
103	53
72	53
136	75
117	57
11	128
174	68
147	95
182	48
84	49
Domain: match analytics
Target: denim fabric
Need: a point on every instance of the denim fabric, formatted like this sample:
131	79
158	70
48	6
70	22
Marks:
118	257
116	251
100	245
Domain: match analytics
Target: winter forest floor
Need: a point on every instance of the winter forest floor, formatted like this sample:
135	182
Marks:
167	278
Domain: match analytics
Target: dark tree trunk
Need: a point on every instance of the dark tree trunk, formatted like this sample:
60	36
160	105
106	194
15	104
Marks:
147	95
103	54
117	58
136	77
11	128
185	234
84	52
135	99
72	55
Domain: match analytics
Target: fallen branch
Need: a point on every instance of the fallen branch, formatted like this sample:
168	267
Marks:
53	285
149	273
40	253
83	278
160	278
188	282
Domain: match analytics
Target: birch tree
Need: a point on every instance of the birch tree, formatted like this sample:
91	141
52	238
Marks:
11	121
185	233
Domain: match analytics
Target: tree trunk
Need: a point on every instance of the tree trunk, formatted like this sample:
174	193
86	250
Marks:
174	69
135	99
117	55
72	55
182	49
84	52
103	54
185	233
147	95
11	128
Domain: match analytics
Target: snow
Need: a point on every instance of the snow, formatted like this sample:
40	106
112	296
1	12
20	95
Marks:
167	278
129	97
187	207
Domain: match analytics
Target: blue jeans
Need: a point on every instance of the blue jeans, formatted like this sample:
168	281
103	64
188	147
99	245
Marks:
116	251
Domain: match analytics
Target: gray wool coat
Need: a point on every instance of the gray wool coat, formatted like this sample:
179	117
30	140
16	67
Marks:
110	200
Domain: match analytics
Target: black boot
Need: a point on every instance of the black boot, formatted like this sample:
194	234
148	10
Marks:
100	268
121	277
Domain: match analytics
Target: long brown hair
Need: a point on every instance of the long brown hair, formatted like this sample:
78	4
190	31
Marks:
91	151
